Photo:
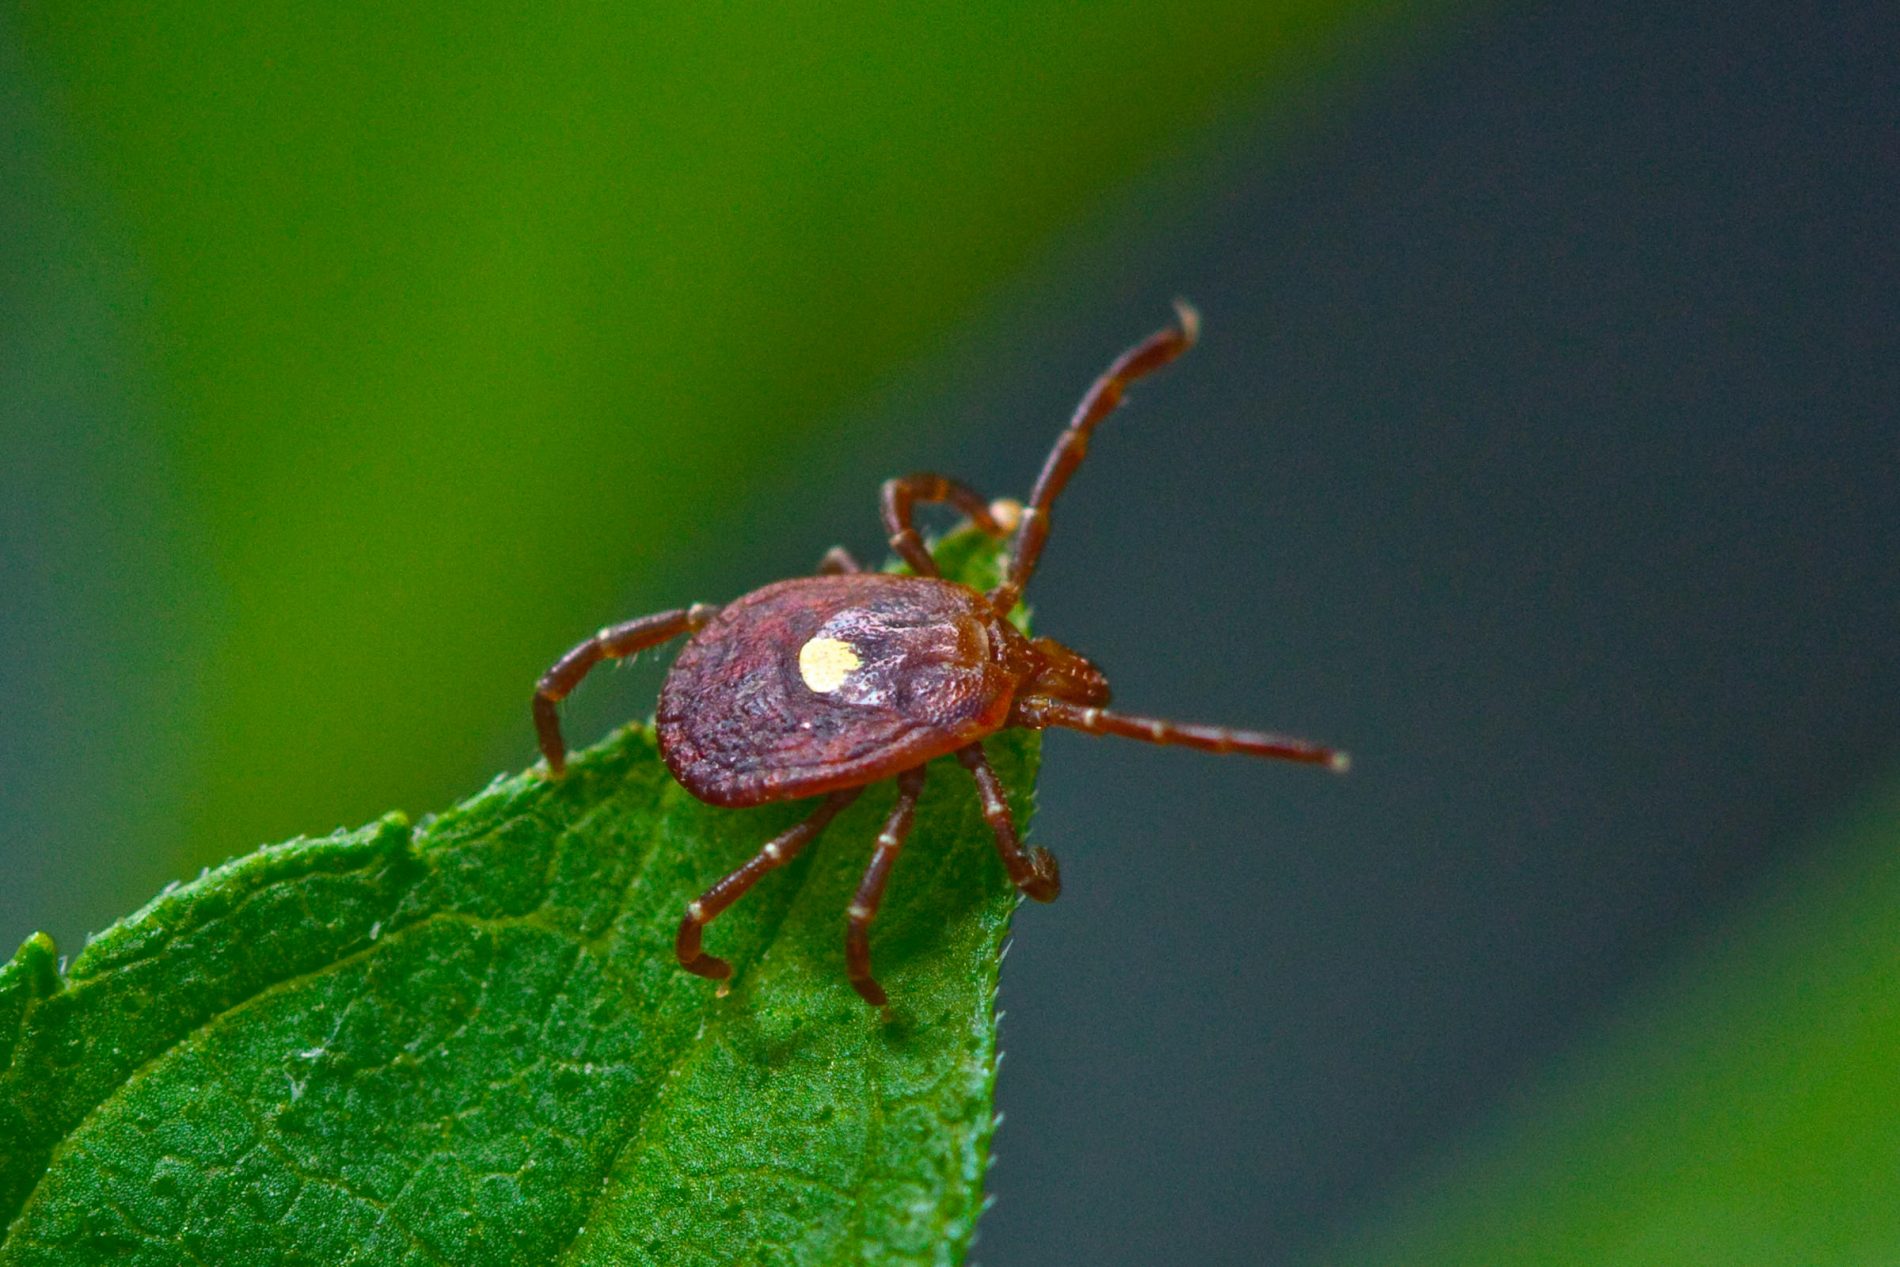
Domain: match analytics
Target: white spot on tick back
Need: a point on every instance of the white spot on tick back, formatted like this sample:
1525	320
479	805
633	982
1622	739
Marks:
825	663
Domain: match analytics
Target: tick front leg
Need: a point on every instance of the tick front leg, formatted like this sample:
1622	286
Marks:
863	908
778	851
1034	871
611	643
899	499
1102	398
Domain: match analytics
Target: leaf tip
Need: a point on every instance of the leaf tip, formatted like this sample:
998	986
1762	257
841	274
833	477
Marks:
34	974
36	963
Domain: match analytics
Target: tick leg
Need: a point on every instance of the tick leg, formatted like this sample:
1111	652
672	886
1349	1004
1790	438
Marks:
1038	712
863	908
1071	446
838	561
778	851
899	499
1034	871
610	643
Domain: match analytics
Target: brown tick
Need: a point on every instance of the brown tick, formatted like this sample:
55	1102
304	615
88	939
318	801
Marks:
823	685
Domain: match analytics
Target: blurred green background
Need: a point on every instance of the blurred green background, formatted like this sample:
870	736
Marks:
433	334
356	361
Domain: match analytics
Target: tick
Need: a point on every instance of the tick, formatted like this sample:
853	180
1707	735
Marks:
823	685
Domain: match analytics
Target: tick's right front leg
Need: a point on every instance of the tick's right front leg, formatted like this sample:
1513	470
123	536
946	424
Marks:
611	643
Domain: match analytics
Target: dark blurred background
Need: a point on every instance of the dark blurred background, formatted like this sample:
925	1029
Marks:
1542	449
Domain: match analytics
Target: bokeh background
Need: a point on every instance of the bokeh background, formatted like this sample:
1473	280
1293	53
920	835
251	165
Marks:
1542	449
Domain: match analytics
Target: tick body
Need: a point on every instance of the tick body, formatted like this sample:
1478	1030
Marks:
821	686
832	682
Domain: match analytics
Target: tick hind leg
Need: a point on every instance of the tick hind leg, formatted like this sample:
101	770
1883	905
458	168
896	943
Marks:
863	908
611	643
899	500
1034	871
778	851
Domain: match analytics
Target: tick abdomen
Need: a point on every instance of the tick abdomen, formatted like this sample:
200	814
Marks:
827	682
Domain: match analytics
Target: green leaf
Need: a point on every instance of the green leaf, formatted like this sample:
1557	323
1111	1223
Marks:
1742	1109
468	1041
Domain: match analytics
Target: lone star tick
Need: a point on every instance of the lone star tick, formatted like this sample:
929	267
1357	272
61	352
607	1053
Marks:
826	684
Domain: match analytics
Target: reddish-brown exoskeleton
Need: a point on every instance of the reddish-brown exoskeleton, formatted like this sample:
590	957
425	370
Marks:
823	685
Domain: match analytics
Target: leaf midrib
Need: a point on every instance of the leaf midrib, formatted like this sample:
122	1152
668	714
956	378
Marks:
716	1020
